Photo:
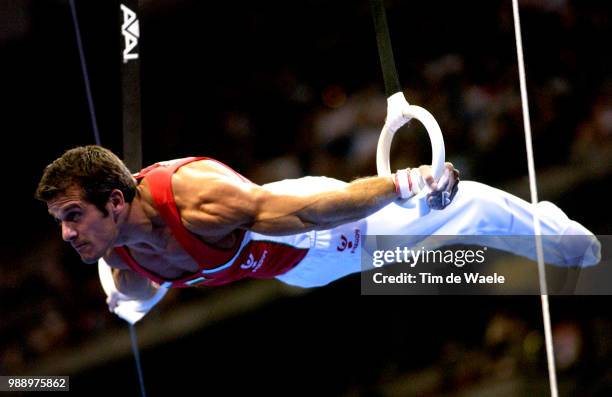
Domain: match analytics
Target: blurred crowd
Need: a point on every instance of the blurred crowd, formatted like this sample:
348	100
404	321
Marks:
332	129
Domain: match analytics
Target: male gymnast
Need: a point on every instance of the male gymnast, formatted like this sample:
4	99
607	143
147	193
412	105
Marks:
197	222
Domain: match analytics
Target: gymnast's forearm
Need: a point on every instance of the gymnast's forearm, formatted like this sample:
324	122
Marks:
356	200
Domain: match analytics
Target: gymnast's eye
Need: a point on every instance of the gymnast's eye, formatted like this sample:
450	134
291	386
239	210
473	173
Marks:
72	216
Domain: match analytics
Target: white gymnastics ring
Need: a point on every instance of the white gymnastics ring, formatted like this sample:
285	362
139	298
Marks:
399	112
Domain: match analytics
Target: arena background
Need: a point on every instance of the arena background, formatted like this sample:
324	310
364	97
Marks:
283	89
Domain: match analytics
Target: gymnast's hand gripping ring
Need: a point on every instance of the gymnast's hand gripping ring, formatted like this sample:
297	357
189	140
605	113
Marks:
399	112
129	309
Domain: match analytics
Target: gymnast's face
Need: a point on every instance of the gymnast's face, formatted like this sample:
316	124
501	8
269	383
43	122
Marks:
83	225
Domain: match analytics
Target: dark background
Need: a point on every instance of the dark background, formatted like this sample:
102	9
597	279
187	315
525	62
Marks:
285	89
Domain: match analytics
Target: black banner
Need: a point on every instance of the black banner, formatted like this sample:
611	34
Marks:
130	83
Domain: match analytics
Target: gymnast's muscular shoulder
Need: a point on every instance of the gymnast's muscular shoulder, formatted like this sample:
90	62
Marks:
213	201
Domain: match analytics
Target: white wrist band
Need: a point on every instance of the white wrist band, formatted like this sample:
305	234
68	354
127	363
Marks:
403	183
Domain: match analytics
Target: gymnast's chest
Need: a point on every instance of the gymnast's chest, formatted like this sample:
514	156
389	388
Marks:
168	258
170	261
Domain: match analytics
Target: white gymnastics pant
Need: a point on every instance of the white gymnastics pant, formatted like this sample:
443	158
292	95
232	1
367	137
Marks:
477	210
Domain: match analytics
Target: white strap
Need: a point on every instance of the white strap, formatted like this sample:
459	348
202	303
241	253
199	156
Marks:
418	183
402	179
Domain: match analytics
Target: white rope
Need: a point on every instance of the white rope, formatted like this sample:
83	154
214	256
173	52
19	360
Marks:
552	374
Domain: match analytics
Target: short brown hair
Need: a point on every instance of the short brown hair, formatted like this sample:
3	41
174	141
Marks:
94	169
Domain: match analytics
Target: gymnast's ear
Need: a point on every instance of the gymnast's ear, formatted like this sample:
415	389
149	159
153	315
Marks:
117	201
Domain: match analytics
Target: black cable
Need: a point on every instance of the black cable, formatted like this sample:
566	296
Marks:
92	109
130	84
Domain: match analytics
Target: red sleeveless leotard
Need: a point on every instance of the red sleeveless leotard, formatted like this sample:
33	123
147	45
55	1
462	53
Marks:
250	257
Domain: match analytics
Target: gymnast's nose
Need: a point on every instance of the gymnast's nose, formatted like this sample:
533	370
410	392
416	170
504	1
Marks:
68	233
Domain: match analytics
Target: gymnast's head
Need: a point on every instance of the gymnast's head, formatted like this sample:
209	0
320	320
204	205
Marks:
87	190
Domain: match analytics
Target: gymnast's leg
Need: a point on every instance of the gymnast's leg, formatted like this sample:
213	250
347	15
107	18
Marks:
480	210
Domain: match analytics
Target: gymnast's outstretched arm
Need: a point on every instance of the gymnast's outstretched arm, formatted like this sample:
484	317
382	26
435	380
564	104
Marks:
225	204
